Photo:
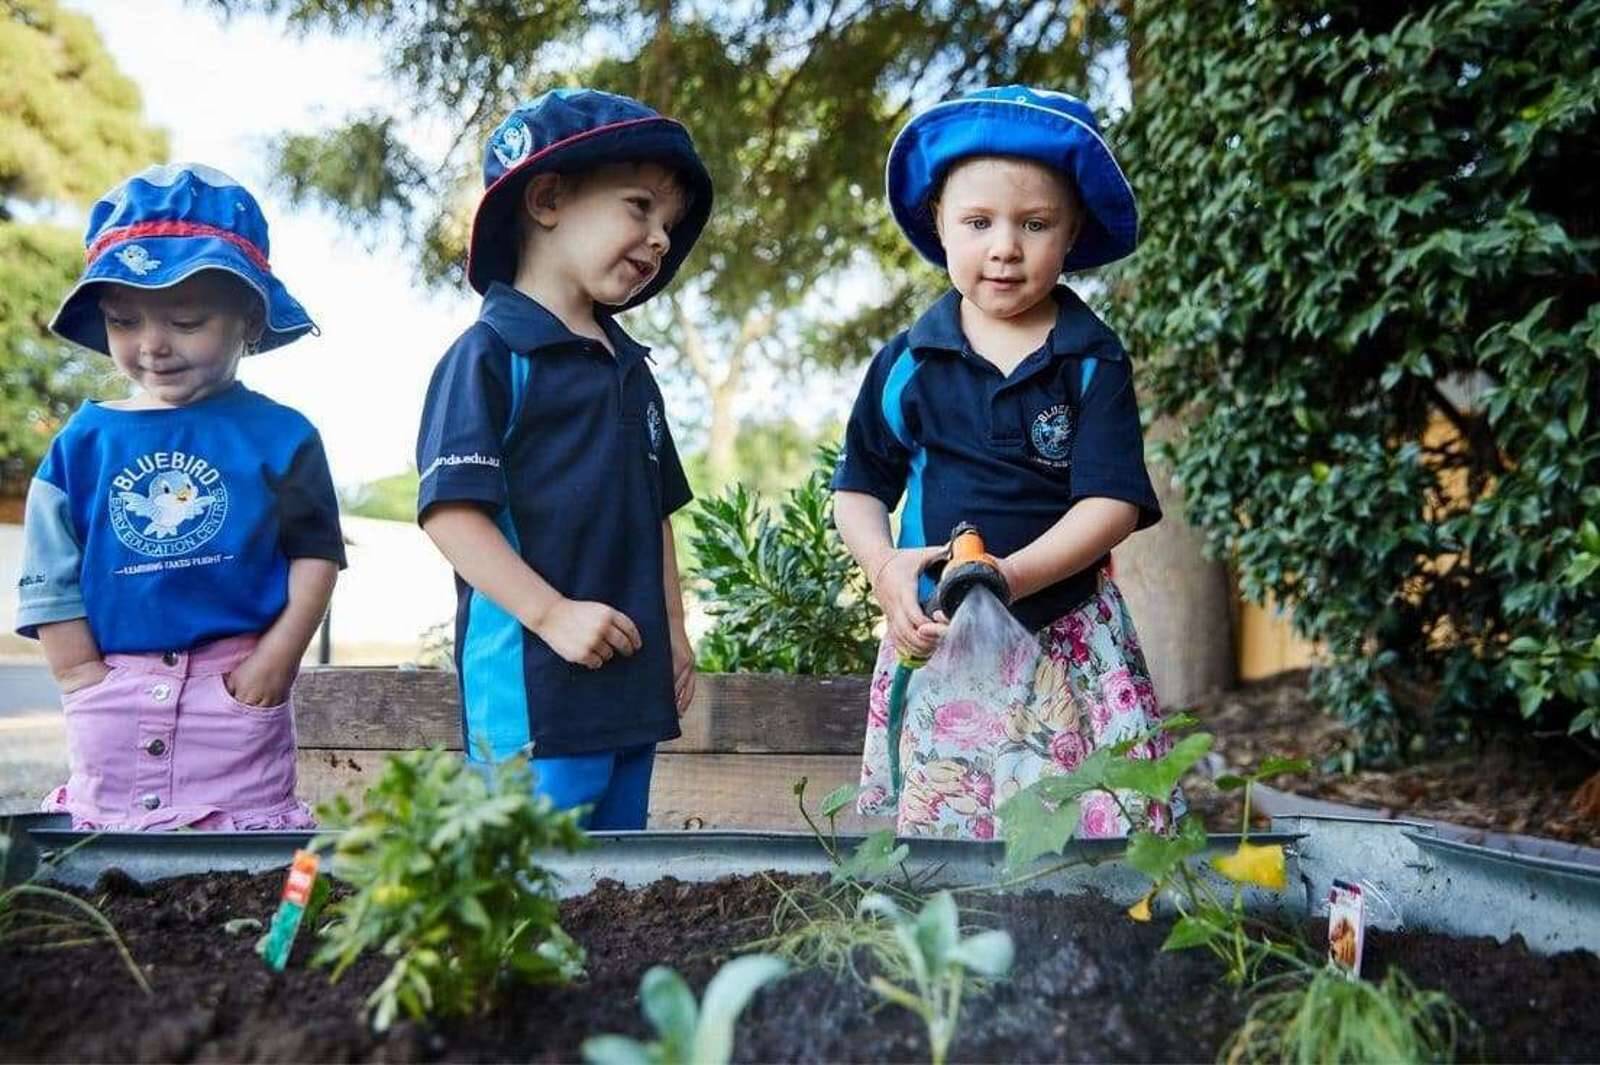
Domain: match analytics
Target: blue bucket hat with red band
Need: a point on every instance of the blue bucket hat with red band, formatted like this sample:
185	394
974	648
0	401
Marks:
570	131
164	225
1051	128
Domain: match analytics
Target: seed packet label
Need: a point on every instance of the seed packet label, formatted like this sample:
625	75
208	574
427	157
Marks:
274	945
302	876
1346	926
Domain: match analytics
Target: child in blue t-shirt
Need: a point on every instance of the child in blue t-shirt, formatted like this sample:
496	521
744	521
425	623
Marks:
181	545
1010	405
547	468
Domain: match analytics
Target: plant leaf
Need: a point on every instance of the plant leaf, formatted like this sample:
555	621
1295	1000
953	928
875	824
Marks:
726	997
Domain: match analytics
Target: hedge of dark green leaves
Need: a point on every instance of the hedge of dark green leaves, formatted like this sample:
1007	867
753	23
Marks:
1361	220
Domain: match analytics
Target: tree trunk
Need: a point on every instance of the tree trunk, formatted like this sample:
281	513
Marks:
720	436
1181	602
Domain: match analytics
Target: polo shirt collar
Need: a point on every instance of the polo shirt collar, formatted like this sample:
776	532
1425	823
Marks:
1078	330
526	325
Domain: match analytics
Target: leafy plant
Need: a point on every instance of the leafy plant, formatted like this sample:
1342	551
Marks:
786	595
443	861
1366	287
939	959
62	922
688	1034
1042	817
1328	1017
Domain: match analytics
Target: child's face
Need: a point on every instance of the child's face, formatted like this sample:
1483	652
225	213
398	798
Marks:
1006	226
605	234
180	344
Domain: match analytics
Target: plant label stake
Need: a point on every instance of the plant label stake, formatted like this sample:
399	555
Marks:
274	946
1346	927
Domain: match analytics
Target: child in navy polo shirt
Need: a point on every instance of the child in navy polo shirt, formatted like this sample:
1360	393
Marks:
1008	404
180	546
547	468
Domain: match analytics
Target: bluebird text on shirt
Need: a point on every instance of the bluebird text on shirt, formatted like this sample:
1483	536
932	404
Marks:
198	469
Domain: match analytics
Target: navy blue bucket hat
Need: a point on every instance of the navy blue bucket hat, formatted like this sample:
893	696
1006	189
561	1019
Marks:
570	131
164	225
1051	128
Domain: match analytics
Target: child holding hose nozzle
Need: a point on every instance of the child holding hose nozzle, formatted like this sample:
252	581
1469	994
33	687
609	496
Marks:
1008	405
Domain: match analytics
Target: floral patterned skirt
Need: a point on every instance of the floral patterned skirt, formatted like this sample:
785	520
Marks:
968	743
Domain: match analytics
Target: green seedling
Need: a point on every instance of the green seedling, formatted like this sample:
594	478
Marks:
444	877
820	928
24	923
939	960
687	1033
1327	1017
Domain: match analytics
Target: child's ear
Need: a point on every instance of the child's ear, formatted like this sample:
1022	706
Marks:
255	322
542	197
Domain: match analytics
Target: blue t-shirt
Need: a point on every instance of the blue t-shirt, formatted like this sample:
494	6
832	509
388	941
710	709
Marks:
169	528
566	448
938	422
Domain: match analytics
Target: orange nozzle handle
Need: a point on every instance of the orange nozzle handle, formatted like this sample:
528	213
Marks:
966	545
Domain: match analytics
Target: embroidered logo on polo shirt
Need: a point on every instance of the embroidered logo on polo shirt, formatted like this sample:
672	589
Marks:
167	503
1051	436
512	143
652	421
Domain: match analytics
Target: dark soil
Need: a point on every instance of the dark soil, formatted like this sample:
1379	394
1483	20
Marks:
1530	786
1089	985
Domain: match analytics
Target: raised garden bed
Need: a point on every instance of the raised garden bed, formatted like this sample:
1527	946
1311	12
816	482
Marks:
1088	985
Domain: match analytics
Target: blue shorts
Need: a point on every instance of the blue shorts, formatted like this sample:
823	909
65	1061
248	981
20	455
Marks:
614	784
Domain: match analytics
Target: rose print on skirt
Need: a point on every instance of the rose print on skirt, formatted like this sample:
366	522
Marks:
973	737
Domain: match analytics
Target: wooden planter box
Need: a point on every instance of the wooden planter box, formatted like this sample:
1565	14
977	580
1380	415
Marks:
746	738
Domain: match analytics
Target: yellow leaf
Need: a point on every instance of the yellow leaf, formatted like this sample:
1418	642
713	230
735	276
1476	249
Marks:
1140	911
1254	864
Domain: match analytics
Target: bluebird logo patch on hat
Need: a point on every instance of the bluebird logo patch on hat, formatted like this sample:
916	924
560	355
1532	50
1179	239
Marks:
512	142
162	226
1054	129
135	258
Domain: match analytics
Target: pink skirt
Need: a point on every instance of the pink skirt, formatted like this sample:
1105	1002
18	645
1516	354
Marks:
160	744
966	748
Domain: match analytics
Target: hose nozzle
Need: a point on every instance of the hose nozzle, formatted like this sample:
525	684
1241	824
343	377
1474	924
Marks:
969	567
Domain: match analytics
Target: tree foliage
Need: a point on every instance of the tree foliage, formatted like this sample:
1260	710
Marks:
70	127
1368	284
793	106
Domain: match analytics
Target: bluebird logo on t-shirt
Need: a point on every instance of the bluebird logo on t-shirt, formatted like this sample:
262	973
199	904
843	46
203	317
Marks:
167	503
1052	435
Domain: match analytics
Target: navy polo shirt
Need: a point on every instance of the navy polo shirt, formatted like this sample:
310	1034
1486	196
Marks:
964	442
567	448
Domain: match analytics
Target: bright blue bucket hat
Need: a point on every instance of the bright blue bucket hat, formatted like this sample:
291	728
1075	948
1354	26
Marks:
1051	128
164	225
569	131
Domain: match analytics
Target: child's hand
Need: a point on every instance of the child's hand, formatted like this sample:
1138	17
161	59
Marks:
81	676
260	680
587	633
894	585
683	674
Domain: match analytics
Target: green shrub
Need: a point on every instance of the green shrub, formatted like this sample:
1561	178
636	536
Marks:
1368	288
444	867
786	595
